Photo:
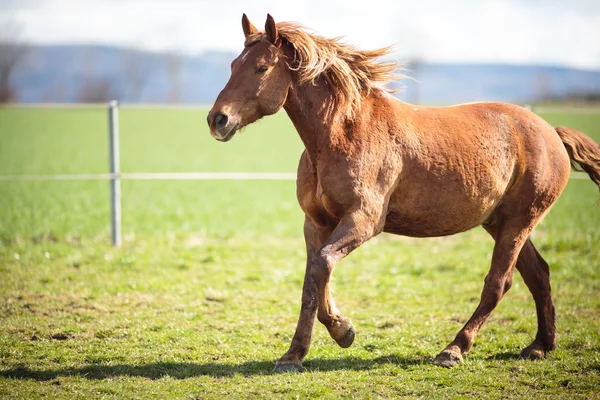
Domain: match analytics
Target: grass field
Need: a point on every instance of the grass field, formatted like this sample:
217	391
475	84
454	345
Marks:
204	295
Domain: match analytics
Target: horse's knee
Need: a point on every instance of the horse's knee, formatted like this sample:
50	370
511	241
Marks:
320	269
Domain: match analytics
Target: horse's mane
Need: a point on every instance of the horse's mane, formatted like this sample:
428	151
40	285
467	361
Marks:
350	72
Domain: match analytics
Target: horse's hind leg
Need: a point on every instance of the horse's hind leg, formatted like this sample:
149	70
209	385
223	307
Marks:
536	274
511	235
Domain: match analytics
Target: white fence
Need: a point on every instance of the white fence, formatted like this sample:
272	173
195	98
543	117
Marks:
115	176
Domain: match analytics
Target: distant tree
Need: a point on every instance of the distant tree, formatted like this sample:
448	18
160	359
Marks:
97	90
12	49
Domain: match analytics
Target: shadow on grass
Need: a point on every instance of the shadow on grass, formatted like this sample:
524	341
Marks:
183	370
506	356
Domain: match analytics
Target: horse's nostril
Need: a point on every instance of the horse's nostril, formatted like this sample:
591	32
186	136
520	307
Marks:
220	121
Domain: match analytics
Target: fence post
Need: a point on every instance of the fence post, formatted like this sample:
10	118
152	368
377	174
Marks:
115	172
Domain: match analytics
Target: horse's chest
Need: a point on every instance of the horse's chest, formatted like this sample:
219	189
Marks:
317	201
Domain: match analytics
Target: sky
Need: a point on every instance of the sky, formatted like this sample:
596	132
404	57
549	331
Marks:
542	32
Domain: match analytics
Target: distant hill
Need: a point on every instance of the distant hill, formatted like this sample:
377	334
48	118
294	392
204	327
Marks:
62	73
72	73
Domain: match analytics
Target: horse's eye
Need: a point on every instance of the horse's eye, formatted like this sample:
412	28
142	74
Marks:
262	69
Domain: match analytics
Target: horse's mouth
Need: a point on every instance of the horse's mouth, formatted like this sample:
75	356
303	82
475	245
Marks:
227	137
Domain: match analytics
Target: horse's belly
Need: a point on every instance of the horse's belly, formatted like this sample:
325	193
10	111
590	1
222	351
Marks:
439	212
427	225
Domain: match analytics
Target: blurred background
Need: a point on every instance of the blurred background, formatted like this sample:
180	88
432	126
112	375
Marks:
179	51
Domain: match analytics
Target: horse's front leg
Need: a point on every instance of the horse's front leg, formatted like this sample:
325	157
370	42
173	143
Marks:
314	236
353	230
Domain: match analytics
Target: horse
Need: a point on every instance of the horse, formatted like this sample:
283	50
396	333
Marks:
374	164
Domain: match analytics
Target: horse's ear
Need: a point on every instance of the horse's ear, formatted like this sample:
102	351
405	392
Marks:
247	26
271	29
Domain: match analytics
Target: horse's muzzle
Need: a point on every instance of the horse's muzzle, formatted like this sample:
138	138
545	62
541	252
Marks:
221	126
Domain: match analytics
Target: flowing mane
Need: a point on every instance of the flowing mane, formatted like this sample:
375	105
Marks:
350	72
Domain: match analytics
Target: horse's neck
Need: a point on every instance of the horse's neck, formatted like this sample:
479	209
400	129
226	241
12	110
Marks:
313	111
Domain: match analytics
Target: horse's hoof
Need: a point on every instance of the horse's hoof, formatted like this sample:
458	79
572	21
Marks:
288	367
348	338
532	353
448	359
343	332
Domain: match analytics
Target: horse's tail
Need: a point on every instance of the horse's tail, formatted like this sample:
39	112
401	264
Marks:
583	152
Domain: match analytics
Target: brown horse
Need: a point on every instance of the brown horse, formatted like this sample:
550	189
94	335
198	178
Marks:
374	164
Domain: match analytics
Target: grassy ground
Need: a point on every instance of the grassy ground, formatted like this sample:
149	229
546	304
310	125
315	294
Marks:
204	295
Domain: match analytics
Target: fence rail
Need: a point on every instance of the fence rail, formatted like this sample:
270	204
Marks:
201	176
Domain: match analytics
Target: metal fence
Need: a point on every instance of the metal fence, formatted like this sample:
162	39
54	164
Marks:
115	176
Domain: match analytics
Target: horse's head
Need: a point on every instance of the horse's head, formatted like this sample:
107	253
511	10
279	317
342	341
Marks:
258	86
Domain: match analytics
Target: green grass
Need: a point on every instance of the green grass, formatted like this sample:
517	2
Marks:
204	295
